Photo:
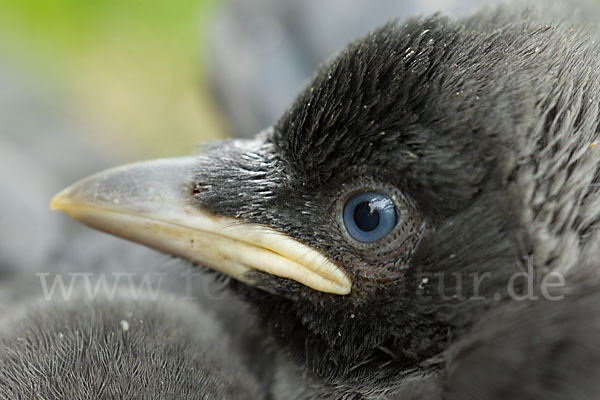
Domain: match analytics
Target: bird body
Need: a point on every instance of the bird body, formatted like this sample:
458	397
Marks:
389	223
144	347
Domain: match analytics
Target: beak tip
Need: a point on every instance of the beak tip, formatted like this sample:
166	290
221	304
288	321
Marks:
59	201
55	203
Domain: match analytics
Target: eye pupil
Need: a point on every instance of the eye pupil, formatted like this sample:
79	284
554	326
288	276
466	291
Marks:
366	217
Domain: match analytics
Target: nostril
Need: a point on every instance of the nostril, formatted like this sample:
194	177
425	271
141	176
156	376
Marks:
196	189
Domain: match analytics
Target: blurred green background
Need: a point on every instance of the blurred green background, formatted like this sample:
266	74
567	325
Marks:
132	69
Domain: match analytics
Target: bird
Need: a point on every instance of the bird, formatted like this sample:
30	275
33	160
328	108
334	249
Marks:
543	349
120	347
410	221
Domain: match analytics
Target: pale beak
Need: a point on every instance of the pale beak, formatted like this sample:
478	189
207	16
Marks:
152	203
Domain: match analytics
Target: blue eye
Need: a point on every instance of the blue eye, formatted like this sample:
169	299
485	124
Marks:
369	216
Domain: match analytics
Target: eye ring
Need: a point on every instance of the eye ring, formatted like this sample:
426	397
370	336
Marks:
369	216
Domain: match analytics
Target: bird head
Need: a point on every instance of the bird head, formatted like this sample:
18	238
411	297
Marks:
387	207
